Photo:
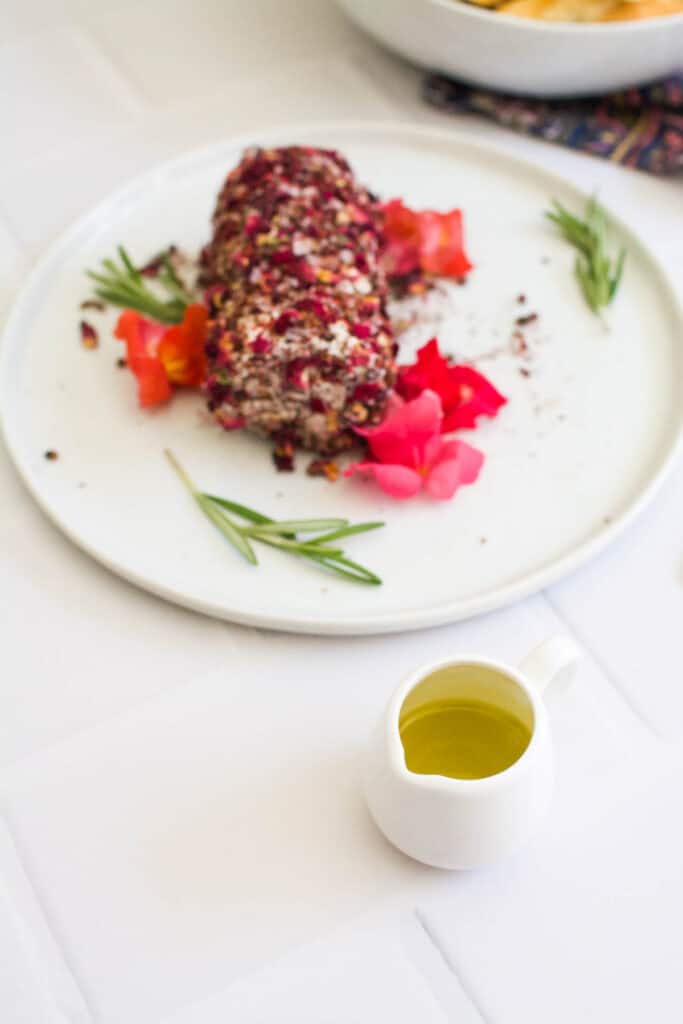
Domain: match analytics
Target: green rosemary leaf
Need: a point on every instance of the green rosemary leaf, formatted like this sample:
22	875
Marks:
128	264
295	547
346	568
123	285
347	531
172	281
300	525
221	521
227	528
240	510
283	534
618	274
598	278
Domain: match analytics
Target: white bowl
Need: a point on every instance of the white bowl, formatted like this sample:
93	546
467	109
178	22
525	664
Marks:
521	55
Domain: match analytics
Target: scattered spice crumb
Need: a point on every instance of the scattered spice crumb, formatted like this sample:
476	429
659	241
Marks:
89	337
521	298
324	467
483	540
519	344
283	456
51	455
121	363
524	372
521	321
93	304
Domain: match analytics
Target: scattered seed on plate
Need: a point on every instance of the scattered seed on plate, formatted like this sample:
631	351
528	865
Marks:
530	318
95	304
51	455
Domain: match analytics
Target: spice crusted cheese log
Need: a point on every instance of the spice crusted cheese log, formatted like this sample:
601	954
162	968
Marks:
299	346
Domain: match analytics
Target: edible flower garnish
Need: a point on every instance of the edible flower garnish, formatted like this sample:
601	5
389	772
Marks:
161	356
410	452
423	240
598	275
465	394
125	285
254	526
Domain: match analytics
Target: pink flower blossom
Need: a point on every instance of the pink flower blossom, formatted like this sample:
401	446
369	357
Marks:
412	454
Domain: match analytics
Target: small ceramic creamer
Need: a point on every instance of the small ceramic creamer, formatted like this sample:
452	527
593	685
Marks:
467	822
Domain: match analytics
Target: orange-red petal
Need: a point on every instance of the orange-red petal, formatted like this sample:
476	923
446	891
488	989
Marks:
181	350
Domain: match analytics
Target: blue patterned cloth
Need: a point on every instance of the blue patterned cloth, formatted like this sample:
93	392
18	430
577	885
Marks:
640	127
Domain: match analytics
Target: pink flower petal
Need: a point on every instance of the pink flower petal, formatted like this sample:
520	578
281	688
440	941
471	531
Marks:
397	481
407	427
456	464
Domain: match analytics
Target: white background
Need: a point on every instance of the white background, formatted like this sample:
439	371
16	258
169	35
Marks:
180	799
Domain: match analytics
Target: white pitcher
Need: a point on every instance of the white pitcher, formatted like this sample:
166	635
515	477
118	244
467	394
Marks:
465	823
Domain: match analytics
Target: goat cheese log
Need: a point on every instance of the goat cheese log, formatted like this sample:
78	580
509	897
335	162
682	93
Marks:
299	345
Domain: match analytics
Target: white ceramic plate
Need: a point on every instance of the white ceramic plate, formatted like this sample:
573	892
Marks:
579	449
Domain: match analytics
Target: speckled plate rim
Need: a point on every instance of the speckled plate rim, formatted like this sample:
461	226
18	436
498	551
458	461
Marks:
385	622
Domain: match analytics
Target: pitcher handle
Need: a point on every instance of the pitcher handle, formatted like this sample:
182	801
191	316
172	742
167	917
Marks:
553	661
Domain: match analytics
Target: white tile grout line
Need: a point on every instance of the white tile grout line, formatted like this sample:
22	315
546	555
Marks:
633	706
452	967
57	943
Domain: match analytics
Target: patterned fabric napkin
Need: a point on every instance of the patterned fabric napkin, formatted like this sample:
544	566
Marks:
640	127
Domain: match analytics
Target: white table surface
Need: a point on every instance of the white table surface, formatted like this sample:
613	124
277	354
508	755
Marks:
99	678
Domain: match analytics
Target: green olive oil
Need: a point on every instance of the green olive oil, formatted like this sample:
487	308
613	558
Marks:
462	739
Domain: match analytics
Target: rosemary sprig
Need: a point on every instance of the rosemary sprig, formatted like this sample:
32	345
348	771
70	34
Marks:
598	275
123	285
281	534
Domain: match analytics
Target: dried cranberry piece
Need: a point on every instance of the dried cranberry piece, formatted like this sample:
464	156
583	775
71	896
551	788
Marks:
89	336
254	225
260	344
285	320
368	391
281	256
294	373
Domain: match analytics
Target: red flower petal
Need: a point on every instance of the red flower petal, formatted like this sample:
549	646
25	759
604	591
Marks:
397	481
141	336
476	397
442	249
402	238
465	393
181	349
456	464
153	384
142	340
405	430
89	337
425	239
